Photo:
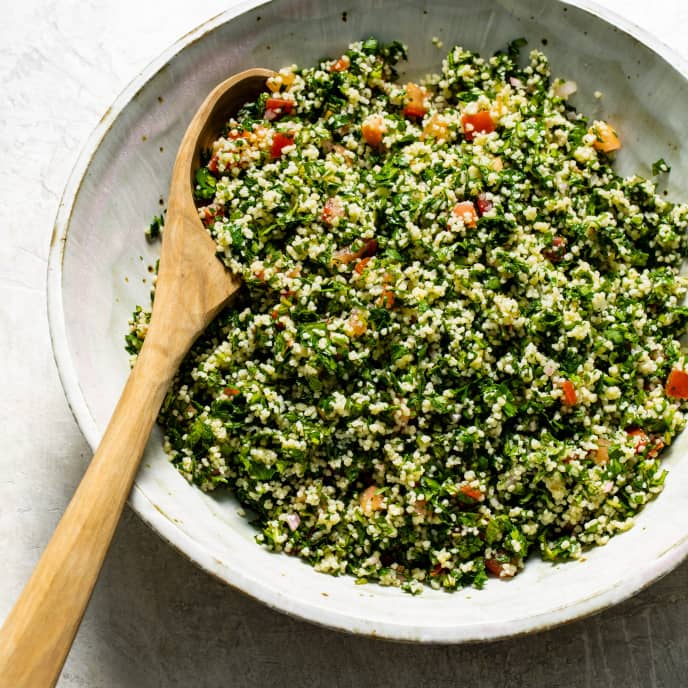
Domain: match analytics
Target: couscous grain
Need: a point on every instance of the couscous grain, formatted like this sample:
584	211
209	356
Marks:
458	339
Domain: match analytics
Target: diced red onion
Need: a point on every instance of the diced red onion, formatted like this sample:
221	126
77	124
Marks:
293	521
563	89
484	204
549	368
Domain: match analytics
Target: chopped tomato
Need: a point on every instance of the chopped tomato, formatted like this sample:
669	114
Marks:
208	215
341	65
420	507
235	134
373	129
275	316
369	248
677	384
601	456
436	570
436	128
570	396
494	567
212	165
370	500
556	250
658	446
280	141
471	492
361	265
466	212
606	139
346	255
276	107
484	204
231	391
414	102
479	123
387	298
332	210
641	441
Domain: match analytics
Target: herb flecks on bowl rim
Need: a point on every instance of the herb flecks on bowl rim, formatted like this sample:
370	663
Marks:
458	338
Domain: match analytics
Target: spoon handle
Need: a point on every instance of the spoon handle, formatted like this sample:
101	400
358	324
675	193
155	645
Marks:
38	633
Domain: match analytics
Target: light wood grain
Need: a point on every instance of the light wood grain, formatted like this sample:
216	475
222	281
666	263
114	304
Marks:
192	287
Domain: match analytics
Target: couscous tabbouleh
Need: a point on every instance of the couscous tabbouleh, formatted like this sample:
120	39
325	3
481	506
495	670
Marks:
457	341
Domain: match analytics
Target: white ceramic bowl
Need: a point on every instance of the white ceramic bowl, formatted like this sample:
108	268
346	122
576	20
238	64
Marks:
97	274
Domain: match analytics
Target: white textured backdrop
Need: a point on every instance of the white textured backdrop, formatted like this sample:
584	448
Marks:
155	620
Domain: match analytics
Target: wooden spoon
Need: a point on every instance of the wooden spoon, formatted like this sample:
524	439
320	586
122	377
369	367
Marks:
192	287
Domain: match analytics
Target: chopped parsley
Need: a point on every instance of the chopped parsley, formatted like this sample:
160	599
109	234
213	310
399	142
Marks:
457	343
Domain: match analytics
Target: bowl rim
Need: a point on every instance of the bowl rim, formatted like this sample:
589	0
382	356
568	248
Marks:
165	526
